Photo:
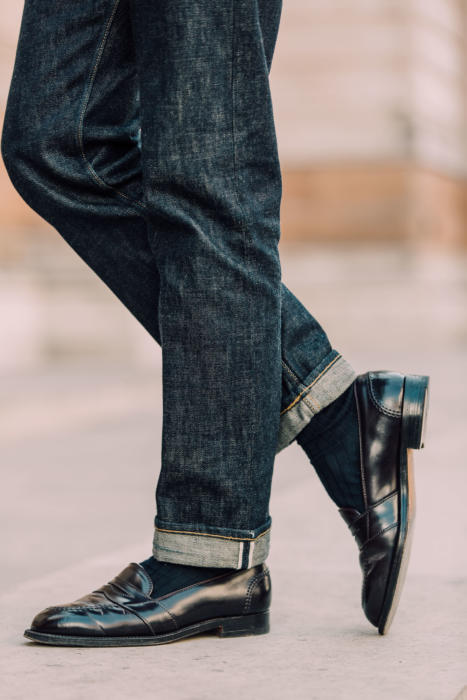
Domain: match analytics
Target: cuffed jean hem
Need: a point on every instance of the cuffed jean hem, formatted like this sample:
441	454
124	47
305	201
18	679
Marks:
313	394
213	547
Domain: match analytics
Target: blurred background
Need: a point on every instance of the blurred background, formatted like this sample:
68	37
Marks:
370	99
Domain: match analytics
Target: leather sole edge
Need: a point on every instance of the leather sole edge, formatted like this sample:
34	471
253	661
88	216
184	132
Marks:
414	411
237	626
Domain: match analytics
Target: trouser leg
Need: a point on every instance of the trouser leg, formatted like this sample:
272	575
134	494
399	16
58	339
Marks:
212	188
77	162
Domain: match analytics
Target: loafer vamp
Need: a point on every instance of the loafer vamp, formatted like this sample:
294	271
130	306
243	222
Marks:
236	603
375	561
104	612
89	621
391	416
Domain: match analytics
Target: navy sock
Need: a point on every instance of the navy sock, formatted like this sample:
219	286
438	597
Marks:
168	577
331	442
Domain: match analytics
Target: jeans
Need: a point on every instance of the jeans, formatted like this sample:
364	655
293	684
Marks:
143	131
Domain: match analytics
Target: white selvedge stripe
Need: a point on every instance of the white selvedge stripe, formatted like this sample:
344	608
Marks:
200	550
250	555
240	555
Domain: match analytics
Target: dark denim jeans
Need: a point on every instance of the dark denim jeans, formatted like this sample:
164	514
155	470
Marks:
143	131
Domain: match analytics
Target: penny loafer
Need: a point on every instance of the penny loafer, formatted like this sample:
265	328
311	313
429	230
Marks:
391	414
125	612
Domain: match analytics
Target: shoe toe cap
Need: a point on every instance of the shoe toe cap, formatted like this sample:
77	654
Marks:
88	621
69	620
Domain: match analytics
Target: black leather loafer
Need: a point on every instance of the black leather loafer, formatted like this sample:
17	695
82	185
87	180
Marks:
123	613
391	412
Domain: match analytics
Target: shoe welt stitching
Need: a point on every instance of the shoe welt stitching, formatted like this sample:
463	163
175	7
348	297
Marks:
172	617
379	406
391	495
249	594
380	532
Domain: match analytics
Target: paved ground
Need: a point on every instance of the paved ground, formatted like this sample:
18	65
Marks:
76	427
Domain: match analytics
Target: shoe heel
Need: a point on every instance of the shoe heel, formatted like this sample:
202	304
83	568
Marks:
414	410
244	625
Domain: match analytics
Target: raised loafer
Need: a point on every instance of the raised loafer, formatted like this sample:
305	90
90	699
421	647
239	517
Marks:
123	613
391	413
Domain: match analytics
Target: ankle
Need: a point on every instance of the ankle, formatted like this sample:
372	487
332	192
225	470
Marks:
168	577
329	417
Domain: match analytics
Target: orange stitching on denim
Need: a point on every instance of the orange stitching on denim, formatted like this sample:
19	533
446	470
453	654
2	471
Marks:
208	534
297	398
311	405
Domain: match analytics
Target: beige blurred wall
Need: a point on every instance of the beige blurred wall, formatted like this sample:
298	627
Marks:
17	221
371	112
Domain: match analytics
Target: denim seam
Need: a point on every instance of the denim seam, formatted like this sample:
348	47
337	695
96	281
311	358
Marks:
292	373
31	201
307	388
136	204
243	218
209	534
234	147
306	399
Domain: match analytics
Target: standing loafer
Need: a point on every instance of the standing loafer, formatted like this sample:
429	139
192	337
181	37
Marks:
391	413
123	613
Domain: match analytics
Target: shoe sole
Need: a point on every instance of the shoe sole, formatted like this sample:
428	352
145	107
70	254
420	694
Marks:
414	413
238	626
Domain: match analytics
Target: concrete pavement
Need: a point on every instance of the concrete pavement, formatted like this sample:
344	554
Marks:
70	430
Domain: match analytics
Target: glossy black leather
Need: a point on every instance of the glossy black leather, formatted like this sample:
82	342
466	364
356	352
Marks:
124	607
379	397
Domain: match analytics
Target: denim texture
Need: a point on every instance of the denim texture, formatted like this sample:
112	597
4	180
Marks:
144	133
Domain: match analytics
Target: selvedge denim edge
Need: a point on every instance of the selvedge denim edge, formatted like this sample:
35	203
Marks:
241	549
235	549
320	388
184	221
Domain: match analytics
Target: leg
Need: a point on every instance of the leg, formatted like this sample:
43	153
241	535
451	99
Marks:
212	191
222	314
78	164
95	200
218	265
243	149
